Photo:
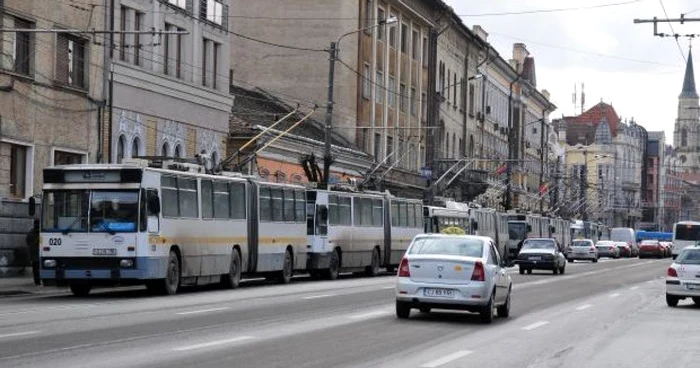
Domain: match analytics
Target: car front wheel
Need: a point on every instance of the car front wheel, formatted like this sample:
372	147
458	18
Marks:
671	300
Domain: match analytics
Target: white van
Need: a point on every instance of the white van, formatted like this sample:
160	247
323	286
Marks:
627	235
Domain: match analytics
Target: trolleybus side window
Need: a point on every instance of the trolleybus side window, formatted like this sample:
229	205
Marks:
394	213
357	211
411	215
333	215
277	204
403	218
289	205
171	204
207	204
377	212
300	206
344	211
265	204
221	200
187	196
238	201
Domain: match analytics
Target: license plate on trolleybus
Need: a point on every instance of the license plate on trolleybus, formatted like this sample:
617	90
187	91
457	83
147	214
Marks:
104	252
441	293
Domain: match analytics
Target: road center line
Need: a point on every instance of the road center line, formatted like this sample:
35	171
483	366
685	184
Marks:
614	295
17	334
389	287
202	311
447	359
369	315
583	307
535	325
318	296
214	343
634	288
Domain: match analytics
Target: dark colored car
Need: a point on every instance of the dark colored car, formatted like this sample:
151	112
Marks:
651	248
541	254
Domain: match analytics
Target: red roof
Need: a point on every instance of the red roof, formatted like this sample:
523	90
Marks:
596	114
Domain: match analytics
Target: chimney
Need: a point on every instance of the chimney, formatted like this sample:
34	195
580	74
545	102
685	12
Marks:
480	32
520	53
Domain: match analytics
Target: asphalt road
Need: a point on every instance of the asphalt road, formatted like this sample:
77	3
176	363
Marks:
610	314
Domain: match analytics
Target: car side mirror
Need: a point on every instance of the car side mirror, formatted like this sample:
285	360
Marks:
32	206
153	203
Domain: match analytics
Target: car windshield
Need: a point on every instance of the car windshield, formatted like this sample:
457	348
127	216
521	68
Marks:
689	256
93	211
457	246
538	244
517	231
581	243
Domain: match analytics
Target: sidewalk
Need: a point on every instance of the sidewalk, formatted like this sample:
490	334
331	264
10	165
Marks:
20	285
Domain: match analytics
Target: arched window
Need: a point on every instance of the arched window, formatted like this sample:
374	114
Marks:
120	149
135	147
471	146
214	159
281	177
264	173
165	150
178	151
296	179
684	137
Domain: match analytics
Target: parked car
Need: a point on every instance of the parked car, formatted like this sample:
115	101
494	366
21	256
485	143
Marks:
683	277
627	235
607	248
668	248
651	248
624	249
541	254
460	272
584	250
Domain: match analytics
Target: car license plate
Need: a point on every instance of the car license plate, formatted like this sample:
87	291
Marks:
441	293
691	286
534	258
104	252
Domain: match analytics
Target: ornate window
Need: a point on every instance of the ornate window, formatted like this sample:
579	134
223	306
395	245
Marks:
135	147
684	137
165	150
120	149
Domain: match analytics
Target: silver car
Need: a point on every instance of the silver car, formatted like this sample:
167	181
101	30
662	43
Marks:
459	272
607	248
583	249
683	277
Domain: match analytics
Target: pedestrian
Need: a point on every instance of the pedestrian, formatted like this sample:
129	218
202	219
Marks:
33	247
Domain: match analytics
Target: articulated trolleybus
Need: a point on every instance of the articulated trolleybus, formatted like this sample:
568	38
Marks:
166	227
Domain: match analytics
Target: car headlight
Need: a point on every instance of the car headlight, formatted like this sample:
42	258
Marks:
49	263
126	263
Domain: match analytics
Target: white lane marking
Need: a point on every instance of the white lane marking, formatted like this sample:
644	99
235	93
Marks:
17	334
389	287
634	288
369	315
614	295
214	343
583	307
318	296
447	359
535	325
202	311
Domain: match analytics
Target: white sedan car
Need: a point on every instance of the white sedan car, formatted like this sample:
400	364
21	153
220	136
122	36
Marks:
458	272
683	277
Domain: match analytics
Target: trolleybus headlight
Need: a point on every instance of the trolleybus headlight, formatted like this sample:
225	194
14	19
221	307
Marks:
126	263
49	263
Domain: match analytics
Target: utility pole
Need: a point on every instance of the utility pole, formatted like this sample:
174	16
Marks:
542	148
327	157
584	196
508	202
680	20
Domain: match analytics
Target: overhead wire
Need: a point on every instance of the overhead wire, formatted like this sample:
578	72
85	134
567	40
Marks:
673	32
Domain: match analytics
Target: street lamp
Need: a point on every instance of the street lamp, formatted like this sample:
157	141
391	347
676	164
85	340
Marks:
333	55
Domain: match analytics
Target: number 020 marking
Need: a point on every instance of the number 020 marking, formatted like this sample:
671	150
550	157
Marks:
54	241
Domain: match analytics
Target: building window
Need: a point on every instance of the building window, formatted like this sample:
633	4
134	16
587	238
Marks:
138	20
454	89
124	21
179	3
423	106
379	88
366	82
447	87
67	158
121	143
404	38
281	177
390	150
165	150
392	33
16	47
441	79
214	159
471	99
362	139
210	63
215	66
382	26
462	93
425	51
212	11
135	146
368	16
377	146
414	107
684	137
403	97
18	170
415	42
392	92
71	57
205	59
178	152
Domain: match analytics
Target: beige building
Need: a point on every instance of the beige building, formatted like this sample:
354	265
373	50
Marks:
51	97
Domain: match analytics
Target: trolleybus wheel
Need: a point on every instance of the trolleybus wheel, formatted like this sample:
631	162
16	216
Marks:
80	289
333	267
287	269
233	278
171	283
373	269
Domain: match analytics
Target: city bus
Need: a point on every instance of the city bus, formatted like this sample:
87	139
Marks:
166	227
685	234
359	231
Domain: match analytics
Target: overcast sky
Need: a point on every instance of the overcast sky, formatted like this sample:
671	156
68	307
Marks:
619	62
